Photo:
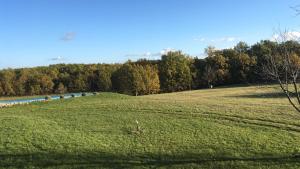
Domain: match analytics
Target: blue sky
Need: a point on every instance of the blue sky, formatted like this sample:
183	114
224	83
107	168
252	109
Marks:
43	32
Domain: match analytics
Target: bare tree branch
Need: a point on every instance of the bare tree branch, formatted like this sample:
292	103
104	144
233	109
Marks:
283	65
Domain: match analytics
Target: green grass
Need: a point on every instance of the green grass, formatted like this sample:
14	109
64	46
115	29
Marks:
241	127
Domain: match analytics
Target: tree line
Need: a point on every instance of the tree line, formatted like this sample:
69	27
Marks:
175	71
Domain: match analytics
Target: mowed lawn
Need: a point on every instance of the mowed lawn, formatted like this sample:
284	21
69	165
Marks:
238	127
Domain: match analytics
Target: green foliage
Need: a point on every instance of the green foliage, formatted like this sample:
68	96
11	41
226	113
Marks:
216	68
1	90
60	89
241	65
242	47
103	79
7	78
135	79
174	72
150	79
261	52
46	84
47	98
21	82
123	79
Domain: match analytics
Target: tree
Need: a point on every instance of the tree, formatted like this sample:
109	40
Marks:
241	65
88	76
195	73
32	85
260	51
1	91
135	79
103	79
151	79
127	80
7	78
138	83
209	75
60	89
21	80
216	64
210	51
242	47
46	84
174	72
78	78
284	66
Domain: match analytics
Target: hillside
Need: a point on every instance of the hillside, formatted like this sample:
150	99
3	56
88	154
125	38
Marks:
238	127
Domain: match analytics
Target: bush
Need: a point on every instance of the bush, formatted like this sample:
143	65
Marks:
83	94
47	98
73	95
61	96
95	93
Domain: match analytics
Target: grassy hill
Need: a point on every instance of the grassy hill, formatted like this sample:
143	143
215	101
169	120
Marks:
241	127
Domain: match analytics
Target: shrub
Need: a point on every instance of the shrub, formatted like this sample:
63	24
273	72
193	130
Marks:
83	94
47	98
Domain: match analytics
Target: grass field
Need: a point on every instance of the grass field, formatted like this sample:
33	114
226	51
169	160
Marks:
238	127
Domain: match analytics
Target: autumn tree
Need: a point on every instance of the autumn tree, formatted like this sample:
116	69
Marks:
103	79
21	80
7	78
150	79
135	79
32	85
216	68
60	89
241	65
174	72
209	75
46	84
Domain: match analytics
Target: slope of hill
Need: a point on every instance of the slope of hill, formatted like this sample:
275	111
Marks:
239	127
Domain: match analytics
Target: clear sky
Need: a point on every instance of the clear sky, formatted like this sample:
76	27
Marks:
43	32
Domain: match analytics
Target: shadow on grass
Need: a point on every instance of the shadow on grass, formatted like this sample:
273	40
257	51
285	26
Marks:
271	95
57	160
